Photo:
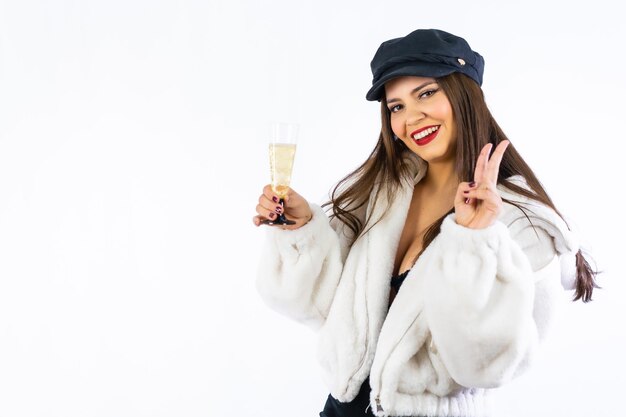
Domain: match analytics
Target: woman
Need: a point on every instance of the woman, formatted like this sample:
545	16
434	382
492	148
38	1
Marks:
445	209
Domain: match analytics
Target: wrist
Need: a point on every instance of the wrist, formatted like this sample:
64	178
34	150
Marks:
307	219
299	222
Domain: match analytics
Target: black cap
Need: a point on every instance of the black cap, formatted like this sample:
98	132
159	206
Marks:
423	53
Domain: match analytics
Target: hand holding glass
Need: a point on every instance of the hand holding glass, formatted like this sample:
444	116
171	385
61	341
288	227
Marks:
282	151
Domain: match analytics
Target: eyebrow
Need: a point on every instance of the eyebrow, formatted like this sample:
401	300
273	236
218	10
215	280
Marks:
416	89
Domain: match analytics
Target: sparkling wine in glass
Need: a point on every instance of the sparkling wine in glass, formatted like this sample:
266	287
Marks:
282	151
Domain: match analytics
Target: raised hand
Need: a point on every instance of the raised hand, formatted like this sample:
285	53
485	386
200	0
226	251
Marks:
295	207
477	204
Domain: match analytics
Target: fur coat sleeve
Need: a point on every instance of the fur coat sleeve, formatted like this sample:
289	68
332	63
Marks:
494	294
479	303
300	269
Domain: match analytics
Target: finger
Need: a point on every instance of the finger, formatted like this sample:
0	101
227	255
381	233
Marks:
270	194
270	205
481	163
462	190
290	194
482	194
257	220
287	196
493	166
265	213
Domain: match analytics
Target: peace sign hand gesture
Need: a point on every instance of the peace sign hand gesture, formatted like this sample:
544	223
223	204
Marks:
477	204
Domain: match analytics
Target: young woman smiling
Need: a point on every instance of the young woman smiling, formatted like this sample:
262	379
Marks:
443	260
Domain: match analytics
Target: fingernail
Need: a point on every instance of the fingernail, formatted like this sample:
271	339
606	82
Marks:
472	184
467	200
278	209
275	199
466	191
272	215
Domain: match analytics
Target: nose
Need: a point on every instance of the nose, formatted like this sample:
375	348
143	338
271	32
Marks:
414	114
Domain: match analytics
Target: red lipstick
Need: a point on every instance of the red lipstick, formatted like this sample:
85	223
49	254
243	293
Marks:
426	139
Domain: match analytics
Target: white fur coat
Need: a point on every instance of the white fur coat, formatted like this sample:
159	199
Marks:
467	319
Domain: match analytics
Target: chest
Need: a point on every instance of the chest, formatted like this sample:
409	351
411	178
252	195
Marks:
424	210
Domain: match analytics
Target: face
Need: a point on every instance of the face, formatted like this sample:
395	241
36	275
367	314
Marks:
421	116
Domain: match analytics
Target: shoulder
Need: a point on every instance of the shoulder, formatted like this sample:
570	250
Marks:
524	215
518	207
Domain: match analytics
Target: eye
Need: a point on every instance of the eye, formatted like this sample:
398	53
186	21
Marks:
428	93
396	108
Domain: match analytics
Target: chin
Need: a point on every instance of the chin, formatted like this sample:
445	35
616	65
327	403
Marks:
433	155
436	152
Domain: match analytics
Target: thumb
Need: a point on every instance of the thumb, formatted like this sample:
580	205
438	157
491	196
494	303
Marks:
291	195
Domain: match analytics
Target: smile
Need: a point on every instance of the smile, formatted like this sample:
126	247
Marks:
425	136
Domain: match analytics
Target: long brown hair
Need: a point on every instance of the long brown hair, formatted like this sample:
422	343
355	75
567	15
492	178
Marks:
475	128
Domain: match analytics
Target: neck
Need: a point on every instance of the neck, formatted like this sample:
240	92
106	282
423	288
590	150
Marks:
441	177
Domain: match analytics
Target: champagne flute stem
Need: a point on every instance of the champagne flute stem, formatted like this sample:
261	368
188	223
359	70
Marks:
282	219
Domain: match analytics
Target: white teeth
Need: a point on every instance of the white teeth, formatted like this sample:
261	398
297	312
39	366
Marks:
425	133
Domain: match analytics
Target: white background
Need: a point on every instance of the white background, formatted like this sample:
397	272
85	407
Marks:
133	150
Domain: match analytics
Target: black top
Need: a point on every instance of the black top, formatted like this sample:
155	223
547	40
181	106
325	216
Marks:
397	280
360	406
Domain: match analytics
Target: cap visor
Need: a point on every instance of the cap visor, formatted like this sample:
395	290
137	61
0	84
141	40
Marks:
429	69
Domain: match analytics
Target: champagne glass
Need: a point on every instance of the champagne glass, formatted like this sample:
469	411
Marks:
282	150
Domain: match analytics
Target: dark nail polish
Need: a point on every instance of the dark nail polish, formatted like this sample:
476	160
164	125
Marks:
467	200
275	199
472	184
278	209
272	215
466	191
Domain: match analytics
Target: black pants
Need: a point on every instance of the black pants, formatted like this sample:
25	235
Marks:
355	408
